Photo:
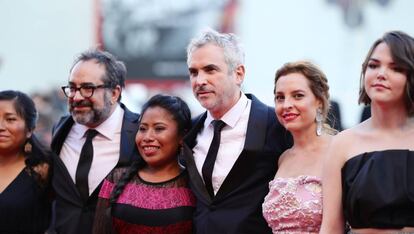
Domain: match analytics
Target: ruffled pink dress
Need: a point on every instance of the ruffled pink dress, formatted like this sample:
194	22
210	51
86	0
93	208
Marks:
294	205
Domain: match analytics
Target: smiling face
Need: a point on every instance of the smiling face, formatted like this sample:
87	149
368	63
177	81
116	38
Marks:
94	110
384	80
214	85
13	131
295	103
158	139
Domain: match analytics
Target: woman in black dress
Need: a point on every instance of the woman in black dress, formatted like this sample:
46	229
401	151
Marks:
25	206
375	159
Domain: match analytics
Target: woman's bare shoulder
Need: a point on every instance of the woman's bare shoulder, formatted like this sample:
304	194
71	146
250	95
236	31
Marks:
283	157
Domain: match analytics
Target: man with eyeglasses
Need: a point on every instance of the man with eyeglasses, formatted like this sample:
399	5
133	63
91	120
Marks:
97	136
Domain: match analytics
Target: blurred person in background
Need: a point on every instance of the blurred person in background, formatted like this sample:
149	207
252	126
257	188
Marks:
46	117
334	116
25	168
365	113
151	196
368	177
50	105
235	143
294	202
97	136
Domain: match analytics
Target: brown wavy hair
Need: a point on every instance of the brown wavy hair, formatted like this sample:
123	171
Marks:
317	80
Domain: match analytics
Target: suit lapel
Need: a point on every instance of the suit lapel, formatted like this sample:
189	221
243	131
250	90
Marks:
62	171
60	133
198	123
255	138
257	126
128	148
127	145
190	142
196	180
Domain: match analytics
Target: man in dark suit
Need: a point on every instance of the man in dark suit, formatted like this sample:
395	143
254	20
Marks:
230	182
98	136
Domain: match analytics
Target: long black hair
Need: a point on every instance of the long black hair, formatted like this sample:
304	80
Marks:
182	116
34	151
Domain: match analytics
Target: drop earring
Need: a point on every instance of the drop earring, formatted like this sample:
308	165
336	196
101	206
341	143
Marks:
28	148
318	122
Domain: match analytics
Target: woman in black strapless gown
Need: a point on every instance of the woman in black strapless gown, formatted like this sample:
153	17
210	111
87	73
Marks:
368	180
25	206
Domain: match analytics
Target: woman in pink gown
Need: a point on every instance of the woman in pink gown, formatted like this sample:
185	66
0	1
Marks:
294	201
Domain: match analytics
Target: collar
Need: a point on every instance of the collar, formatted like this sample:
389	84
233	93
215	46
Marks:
109	128
233	115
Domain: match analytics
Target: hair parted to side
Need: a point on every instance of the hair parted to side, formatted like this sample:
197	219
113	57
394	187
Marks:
317	81
39	154
401	46
182	116
175	106
229	42
115	70
23	105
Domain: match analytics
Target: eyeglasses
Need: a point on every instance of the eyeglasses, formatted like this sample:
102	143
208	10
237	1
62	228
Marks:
85	91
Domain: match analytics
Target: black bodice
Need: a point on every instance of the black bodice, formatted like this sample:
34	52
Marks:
378	189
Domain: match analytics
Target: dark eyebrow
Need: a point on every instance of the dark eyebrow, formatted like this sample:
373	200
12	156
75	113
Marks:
8	114
211	67
154	124
294	91
83	84
160	123
378	61
298	91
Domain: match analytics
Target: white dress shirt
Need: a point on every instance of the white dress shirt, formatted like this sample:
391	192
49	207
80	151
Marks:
232	141
106	148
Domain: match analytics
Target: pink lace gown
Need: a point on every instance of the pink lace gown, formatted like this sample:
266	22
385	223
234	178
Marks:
294	205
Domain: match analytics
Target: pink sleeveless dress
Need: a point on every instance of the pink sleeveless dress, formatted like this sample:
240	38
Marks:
294	205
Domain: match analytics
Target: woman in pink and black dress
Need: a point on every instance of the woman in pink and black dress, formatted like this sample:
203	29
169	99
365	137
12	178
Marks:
294	201
151	196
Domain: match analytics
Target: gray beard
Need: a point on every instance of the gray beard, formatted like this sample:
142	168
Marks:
95	116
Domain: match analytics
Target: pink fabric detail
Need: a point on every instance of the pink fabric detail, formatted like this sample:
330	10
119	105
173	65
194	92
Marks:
140	195
184	227
106	189
294	204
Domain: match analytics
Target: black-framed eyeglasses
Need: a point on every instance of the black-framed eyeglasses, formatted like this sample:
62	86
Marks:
85	91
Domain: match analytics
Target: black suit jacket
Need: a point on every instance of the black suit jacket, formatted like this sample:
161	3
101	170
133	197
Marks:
237	206
72	216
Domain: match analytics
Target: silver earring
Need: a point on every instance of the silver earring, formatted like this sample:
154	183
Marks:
318	122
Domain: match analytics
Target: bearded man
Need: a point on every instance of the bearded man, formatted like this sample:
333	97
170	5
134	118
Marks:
97	136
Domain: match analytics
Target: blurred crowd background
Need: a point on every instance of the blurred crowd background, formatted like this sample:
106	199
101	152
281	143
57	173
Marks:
40	39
